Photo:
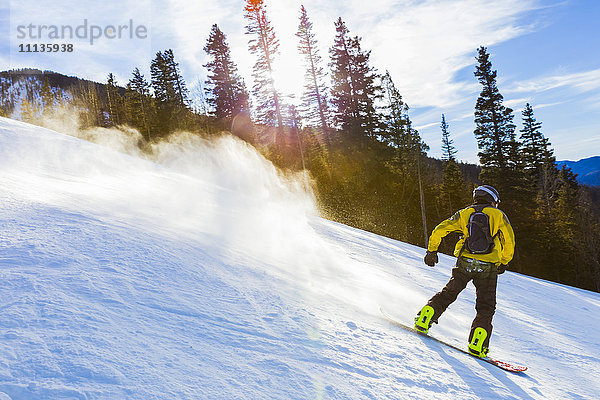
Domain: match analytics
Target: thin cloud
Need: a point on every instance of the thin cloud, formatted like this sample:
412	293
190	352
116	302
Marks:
425	45
569	149
580	81
426	126
517	104
546	105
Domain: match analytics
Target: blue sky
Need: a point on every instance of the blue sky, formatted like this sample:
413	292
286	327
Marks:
546	53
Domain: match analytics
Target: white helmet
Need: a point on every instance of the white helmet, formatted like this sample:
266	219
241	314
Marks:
486	192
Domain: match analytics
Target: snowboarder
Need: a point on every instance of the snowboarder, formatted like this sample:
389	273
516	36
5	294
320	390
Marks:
483	252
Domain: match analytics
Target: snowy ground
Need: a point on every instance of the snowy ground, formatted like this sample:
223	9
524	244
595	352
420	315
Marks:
209	276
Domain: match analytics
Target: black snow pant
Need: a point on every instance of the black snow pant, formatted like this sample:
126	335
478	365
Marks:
485	278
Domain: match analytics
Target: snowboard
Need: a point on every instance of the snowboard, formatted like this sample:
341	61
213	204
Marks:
500	364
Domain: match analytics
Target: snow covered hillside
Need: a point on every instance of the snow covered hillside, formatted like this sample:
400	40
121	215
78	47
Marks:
208	275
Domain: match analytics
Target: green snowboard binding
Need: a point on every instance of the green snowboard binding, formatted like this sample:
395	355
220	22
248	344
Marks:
423	321
476	346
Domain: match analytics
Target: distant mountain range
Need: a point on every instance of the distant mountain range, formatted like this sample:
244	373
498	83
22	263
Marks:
587	170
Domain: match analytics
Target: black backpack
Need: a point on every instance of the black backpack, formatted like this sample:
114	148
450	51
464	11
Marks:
479	241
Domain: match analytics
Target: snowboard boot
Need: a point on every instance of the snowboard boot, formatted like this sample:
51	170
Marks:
476	346
423	321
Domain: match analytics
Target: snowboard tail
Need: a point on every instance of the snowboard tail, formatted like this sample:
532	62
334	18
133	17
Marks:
500	364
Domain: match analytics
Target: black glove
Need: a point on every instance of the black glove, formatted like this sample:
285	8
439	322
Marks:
431	258
502	268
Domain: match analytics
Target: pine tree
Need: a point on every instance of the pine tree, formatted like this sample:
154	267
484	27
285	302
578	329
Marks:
354	87
395	117
495	131
170	92
294	122
563	223
537	155
565	212
161	82
398	132
448	149
181	91
535	148
408	159
314	102
114	101
139	103
86	97
227	95
588	245
48	98
265	46
532	141
164	93
453	188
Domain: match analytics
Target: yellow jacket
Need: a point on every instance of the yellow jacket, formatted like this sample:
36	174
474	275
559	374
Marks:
500	229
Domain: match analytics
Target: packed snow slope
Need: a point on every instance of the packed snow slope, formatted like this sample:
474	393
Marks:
206	274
